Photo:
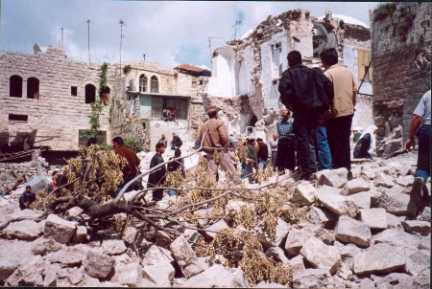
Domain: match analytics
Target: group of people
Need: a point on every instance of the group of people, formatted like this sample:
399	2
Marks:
322	102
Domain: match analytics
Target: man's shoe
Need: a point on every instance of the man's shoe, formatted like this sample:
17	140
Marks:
415	201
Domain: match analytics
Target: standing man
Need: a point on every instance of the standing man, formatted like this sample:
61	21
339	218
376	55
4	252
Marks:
339	125
214	137
286	143
420	125
306	92
131	169
262	154
273	147
157	177
176	142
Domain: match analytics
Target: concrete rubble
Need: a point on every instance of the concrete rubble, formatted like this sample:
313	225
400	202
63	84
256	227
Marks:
350	234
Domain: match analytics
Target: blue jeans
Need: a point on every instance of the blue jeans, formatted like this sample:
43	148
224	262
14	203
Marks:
323	149
262	165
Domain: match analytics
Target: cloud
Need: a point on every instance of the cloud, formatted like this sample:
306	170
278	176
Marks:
167	32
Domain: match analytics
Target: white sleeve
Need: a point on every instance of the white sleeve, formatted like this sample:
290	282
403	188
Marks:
421	107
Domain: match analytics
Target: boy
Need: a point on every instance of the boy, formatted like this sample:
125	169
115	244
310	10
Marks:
27	198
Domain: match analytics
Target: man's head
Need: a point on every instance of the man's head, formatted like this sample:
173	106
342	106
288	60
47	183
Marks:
173	134
285	113
117	142
162	136
212	111
329	57
28	189
160	148
259	140
294	58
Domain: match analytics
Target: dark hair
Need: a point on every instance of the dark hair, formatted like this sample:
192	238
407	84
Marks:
91	141
104	89
212	114
329	57
259	139
294	58
159	145
28	187
118	140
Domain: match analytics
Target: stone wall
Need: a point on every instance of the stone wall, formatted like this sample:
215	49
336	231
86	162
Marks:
401	54
55	112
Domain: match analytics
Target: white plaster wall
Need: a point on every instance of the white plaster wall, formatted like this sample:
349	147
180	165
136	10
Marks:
222	81
159	127
245	72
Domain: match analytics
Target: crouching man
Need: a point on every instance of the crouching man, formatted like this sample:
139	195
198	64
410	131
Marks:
27	198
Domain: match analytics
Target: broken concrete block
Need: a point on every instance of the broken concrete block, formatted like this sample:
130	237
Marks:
13	253
216	228
295	240
304	193
320	255
333	178
414	226
329	197
129	234
355	186
310	278
23	230
375	218
59	229
384	180
74	212
349	230
30	274
69	256
394	221
361	200
182	251
379	258
81	235
397	238
282	229
317	216
296	264
160	274
217	276
156	255
113	247
405	181
418	261
128	274
98	265
395	203
197	266
236	206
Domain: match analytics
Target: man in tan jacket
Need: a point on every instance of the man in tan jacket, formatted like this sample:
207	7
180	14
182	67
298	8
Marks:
339	126
214	137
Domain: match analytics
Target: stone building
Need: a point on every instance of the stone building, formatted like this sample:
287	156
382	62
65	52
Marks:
49	93
250	68
401	52
149	91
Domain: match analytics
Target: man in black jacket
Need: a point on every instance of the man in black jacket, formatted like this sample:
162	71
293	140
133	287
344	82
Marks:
308	93
157	177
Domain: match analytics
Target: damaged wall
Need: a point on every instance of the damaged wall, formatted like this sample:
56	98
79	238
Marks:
401	51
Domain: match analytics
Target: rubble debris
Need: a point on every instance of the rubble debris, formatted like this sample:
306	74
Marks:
351	230
379	258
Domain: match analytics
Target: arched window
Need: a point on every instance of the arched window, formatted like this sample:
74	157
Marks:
32	87
154	84
142	83
15	86
90	93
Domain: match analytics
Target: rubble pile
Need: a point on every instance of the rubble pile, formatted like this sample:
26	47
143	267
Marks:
330	233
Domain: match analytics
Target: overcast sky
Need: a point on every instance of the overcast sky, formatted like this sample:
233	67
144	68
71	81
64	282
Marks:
167	32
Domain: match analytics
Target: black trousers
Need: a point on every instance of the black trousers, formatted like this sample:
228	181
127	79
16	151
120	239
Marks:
285	157
338	133
305	131
424	158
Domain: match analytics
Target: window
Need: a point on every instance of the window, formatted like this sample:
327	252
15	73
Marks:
32	87
154	84
74	90
15	86
90	93
276	50
18	117
143	83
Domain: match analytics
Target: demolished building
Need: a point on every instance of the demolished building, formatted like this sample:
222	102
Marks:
249	69
401	51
